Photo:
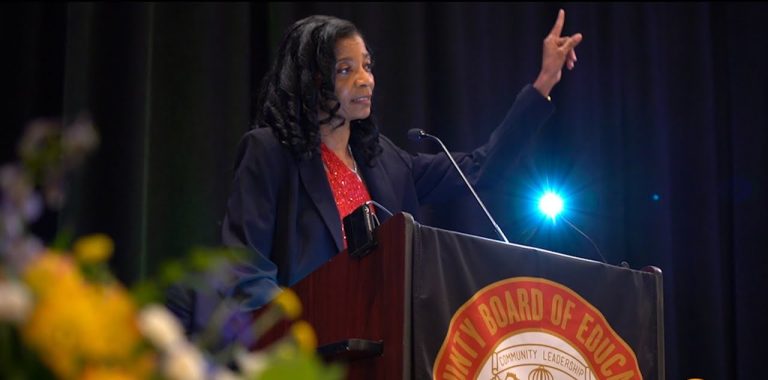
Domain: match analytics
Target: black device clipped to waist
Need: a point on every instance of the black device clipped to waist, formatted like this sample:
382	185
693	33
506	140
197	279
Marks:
359	227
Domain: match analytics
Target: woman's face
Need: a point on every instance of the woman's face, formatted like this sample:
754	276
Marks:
353	79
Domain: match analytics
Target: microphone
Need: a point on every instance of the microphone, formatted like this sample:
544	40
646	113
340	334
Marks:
379	205
416	134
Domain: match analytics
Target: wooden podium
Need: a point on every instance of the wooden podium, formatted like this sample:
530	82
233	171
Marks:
360	307
363	309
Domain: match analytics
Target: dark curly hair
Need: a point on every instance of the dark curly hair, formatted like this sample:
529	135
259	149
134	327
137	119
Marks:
301	82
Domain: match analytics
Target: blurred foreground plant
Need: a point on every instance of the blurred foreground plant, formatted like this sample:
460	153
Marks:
64	315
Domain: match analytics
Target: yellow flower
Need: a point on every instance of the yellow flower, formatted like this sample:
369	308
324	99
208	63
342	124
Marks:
141	367
50	271
304	335
289	302
93	248
56	328
75	323
104	372
114	333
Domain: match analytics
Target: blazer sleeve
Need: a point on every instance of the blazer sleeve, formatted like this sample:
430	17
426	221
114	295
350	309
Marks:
249	221
435	178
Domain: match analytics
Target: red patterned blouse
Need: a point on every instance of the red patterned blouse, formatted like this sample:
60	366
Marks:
348	188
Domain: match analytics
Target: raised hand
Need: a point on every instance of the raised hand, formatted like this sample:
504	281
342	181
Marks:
558	51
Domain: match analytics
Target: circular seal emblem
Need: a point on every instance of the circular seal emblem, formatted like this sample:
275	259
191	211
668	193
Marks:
527	328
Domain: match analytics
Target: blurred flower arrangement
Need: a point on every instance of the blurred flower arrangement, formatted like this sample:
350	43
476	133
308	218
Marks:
63	314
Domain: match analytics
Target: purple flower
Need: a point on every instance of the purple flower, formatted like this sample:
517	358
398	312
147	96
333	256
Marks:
18	196
21	251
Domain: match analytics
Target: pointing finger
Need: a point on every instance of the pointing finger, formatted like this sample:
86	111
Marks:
558	27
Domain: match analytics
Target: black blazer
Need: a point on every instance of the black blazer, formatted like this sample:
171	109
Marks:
283	211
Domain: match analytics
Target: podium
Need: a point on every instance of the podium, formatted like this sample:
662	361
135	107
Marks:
430	303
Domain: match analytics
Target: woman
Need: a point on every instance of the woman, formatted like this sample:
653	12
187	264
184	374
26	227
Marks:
316	153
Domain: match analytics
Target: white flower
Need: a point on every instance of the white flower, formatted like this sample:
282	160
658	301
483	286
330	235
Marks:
184	362
160	327
79	138
251	364
15	302
224	374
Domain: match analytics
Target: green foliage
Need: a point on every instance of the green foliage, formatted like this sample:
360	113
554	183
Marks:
17	361
300	366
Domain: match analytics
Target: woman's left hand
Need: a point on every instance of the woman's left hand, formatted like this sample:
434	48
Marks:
558	51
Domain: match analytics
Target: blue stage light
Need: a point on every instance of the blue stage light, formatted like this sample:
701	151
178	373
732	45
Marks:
551	204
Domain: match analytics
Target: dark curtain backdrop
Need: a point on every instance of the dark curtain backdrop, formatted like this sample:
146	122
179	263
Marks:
659	139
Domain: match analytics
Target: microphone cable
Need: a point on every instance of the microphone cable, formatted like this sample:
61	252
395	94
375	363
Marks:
587	237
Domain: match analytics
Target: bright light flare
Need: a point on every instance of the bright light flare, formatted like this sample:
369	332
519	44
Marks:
551	204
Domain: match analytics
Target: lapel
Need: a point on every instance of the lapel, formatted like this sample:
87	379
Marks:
316	185
378	183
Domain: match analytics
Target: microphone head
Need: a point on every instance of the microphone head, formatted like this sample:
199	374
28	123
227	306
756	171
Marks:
416	134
